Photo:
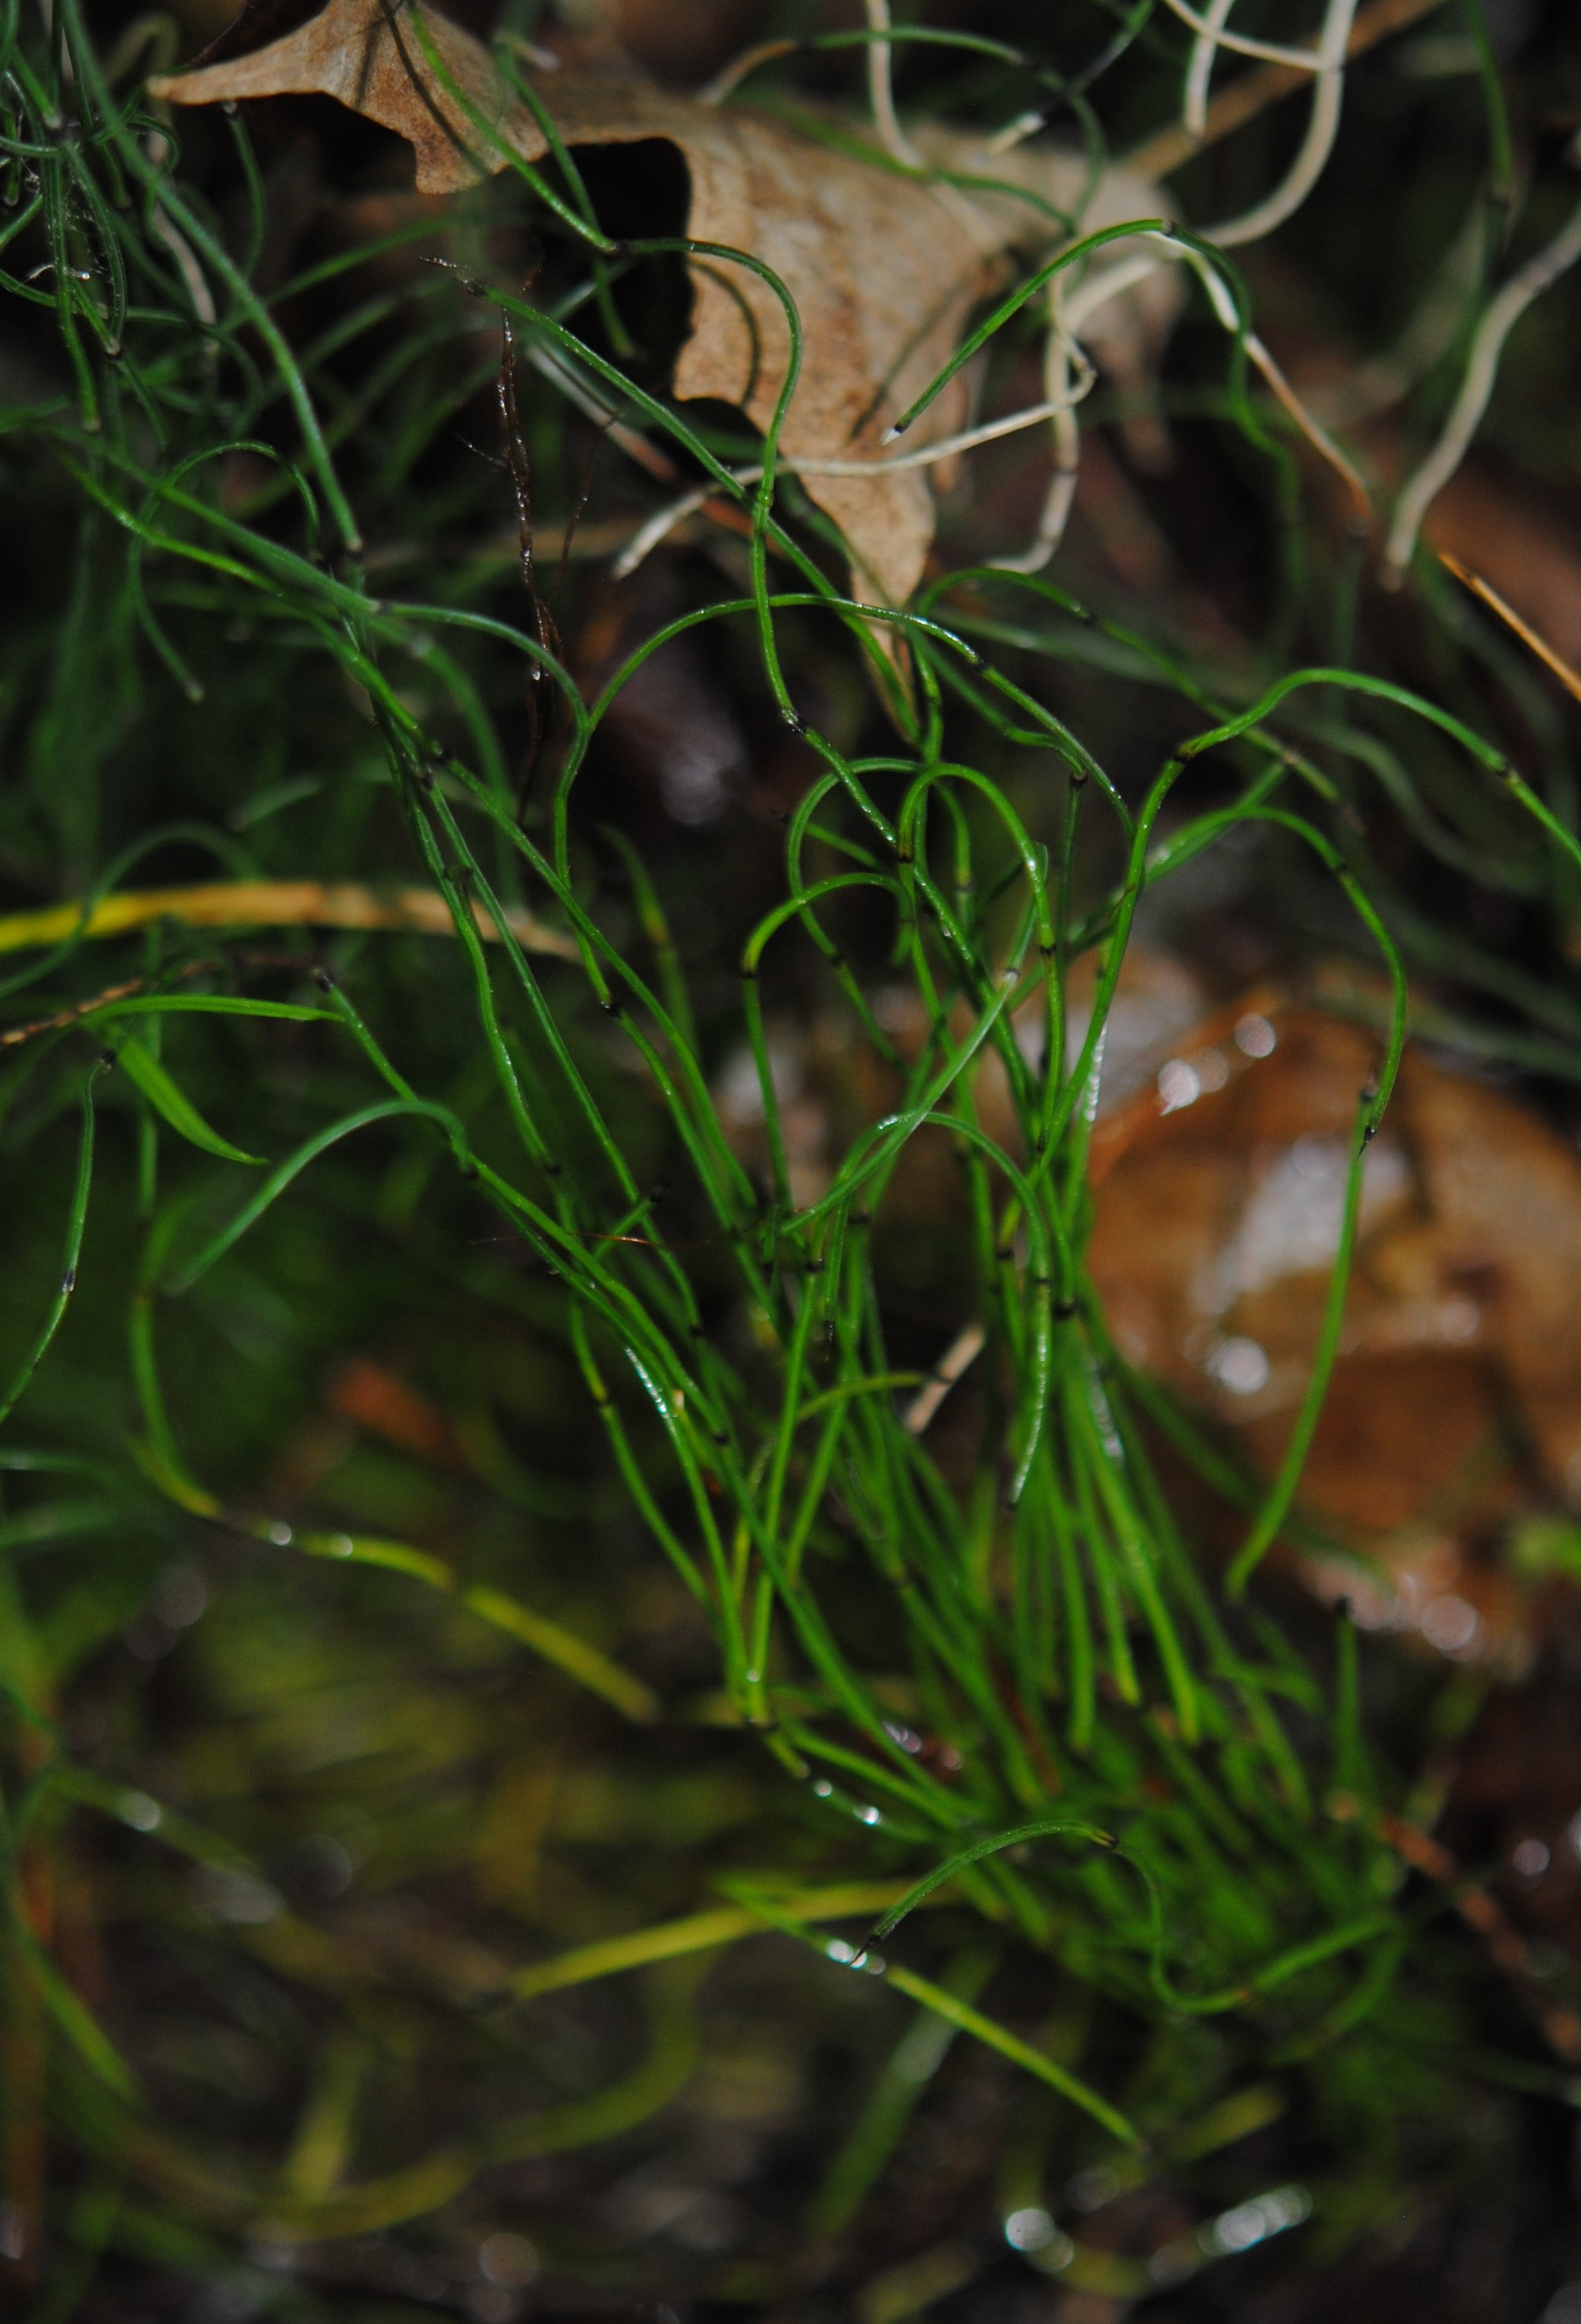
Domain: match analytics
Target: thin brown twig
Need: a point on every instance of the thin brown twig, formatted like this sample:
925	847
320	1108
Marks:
1321	442
1478	1908
1170	149
62	1019
1569	679
15	1036
539	727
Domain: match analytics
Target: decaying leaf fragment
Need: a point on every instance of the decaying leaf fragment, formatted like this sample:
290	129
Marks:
884	267
1454	1413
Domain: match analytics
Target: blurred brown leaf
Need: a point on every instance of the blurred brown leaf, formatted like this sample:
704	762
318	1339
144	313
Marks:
379	1402
1456	1399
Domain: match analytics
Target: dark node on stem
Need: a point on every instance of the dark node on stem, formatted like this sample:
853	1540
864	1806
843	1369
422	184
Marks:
815	1266
610	1005
1042	1282
748	972
1064	1309
69	1283
323	980
1369	1131
720	1438
1006	1257
978	660
861	1218
837	960
903	853
552	1168
106	1058
1047	950
795	722
1078	776
1368	1091
620	249
601	1399
469	1169
695	1331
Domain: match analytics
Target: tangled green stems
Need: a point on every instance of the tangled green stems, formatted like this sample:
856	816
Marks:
1052	1632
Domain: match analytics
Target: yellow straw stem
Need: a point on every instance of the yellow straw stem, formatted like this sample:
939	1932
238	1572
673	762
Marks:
274	904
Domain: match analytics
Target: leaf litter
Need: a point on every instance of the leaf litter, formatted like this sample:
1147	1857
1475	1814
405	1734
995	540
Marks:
884	263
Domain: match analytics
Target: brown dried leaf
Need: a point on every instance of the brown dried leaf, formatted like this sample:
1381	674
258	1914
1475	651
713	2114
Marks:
1456	1399
367	57
883	268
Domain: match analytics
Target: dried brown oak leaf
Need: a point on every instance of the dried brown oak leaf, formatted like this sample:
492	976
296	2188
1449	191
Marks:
884	267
